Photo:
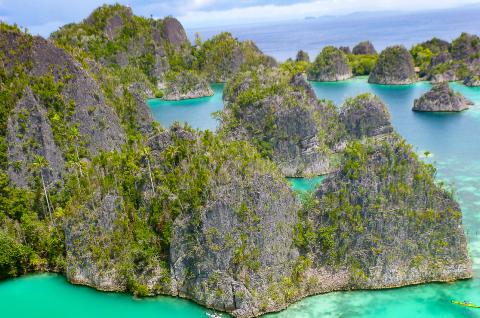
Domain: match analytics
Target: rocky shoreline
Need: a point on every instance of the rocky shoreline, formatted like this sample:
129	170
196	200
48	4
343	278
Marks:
94	188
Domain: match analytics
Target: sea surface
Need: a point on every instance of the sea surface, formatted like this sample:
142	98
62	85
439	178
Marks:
283	39
453	140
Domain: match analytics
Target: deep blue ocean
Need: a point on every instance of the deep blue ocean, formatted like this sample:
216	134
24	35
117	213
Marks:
283	40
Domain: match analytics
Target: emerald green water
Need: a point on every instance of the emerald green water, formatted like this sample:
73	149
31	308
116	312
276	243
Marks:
50	296
305	184
196	112
453	139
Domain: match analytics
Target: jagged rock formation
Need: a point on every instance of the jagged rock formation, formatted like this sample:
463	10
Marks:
330	65
394	67
302	56
58	108
220	57
212	254
441	98
115	37
345	49
364	48
282	117
365	116
201	216
441	61
186	85
382	222
472	81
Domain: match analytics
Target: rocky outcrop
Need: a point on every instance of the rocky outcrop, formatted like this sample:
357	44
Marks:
365	116
330	65
394	67
289	125
381	222
472	81
174	32
465	47
186	85
222	56
364	48
59	98
345	49
230	269
441	98
302	56
117	38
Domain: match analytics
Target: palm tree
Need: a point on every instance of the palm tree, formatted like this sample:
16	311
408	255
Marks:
40	163
146	153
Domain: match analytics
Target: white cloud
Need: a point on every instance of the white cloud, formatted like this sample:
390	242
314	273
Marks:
259	13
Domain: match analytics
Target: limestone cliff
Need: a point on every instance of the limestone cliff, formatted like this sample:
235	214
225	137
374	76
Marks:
364	48
365	116
59	109
113	36
283	119
441	98
185	85
381	221
395	66
330	65
220	57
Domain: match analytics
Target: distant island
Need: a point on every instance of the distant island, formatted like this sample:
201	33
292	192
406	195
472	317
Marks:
93	188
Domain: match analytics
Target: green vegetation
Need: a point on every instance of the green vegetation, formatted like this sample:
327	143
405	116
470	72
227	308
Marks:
422	57
362	64
330	65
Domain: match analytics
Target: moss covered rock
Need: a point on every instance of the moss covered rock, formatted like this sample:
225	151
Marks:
441	98
365	116
364	48
220	57
381	221
281	116
185	85
330	65
395	66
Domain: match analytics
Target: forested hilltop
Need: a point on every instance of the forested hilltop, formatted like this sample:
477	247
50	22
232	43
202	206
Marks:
159	50
435	60
93	188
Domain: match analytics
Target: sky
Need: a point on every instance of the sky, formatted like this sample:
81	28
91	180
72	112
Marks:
44	16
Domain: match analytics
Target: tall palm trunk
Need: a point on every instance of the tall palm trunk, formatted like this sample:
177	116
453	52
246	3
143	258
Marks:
49	208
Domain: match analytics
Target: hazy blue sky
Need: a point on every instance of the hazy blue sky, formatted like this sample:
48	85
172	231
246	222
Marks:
44	16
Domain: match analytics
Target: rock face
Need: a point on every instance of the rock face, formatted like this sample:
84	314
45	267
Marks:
364	48
290	126
185	85
117	38
302	56
222	56
385	224
345	49
441	98
230	270
394	67
330	65
465	47
472	81
174	32
59	98
365	116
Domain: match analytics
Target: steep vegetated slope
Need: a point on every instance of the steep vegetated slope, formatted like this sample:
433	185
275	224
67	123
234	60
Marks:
92	188
158	48
281	116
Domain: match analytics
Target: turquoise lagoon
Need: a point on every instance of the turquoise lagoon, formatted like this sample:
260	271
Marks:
453	140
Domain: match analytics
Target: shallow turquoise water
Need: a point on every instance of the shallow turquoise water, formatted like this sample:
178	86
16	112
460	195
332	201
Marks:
454	142
196	112
50	296
305	184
